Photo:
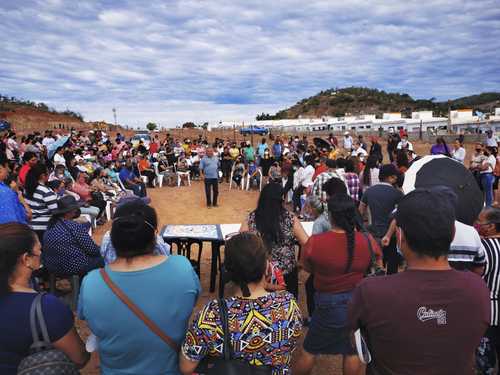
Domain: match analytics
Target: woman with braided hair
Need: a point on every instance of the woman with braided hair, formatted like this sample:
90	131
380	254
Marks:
264	326
338	259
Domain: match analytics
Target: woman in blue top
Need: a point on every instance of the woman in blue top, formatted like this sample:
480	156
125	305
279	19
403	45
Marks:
11	208
19	257
164	288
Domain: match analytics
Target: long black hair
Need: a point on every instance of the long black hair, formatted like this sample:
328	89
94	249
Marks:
342	211
244	260
33	178
17	239
269	214
371	162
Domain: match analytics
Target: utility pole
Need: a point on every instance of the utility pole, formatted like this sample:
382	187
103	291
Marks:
114	115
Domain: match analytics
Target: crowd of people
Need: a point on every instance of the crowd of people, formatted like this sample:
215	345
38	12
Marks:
396	283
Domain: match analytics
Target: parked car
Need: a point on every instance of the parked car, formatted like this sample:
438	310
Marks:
254	130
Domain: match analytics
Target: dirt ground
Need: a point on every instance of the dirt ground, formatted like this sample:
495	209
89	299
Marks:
186	205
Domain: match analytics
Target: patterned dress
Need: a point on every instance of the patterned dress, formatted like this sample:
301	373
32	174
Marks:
264	331
283	252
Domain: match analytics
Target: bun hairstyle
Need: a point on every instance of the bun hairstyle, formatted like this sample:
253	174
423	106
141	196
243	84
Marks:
133	232
16	239
245	260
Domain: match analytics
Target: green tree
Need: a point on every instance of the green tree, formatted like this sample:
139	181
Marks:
151	126
189	125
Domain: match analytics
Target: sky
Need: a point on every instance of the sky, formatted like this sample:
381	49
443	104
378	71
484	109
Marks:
215	60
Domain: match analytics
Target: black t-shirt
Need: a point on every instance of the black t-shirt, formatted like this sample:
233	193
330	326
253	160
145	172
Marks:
381	199
421	322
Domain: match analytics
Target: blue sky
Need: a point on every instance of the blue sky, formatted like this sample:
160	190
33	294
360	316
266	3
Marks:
176	61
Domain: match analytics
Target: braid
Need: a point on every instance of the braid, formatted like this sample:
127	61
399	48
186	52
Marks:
347	223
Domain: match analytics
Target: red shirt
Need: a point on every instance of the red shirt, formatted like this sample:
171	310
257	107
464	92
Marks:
153	148
23	172
322	168
326	255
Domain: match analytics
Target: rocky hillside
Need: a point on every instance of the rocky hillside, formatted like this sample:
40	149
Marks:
361	100
25	115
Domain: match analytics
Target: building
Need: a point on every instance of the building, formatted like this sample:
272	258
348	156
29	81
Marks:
461	121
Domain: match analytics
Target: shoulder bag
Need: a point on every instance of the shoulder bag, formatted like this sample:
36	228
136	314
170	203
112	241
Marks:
138	312
44	359
228	365
373	269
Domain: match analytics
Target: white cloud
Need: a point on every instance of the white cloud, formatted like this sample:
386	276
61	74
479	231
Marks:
191	59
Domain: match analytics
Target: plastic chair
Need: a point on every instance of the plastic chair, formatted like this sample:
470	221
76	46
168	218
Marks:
179	177
159	177
259	172
231	181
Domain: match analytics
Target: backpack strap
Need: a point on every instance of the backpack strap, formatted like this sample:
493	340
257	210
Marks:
36	316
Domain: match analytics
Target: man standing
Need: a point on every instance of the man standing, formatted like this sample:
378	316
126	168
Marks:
380	200
347	142
209	167
430	318
491	140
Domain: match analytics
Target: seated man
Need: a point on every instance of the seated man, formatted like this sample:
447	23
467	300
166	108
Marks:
430	318
253	174
131	181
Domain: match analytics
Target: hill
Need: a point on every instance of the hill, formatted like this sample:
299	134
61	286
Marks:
28	115
361	100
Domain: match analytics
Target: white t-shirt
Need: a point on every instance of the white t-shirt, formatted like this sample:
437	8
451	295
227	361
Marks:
59	159
47	141
459	155
492	142
360	153
307	176
491	161
402	145
348	142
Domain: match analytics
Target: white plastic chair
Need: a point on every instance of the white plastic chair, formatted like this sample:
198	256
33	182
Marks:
231	181
179	177
159	177
259	172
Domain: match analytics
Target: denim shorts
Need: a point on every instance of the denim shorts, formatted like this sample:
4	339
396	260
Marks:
328	333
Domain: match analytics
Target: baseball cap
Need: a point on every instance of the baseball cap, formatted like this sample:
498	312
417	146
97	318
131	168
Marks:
387	170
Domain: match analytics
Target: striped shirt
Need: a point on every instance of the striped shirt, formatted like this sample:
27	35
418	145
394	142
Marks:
466	246
42	204
492	275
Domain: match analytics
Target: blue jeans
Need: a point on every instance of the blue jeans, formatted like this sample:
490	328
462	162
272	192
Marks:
328	332
487	180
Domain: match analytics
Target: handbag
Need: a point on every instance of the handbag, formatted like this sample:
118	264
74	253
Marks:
228	365
373	269
137	311
43	359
